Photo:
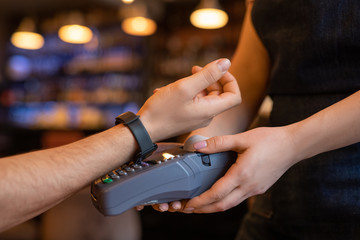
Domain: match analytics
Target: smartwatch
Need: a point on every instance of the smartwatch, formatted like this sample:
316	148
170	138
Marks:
132	121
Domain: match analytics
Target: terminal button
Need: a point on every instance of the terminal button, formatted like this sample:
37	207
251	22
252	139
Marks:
121	172
113	175
206	160
129	169
106	179
137	166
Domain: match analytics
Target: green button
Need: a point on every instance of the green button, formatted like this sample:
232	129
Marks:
107	180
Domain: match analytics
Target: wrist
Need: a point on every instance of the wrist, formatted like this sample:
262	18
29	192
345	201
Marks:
149	126
302	141
154	125
137	128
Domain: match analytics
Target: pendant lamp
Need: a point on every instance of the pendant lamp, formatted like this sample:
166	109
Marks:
75	31
209	15
25	36
136	21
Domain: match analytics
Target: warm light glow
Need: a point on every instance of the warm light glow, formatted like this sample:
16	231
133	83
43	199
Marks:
167	156
139	26
27	40
209	18
76	34
127	1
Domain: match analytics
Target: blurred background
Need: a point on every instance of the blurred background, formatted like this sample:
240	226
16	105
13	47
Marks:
69	67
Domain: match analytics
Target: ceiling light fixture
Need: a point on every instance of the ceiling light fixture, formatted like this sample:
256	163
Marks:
25	36
127	1
136	21
75	31
209	15
139	26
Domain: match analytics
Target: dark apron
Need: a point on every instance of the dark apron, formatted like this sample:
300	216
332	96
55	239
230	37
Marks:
314	48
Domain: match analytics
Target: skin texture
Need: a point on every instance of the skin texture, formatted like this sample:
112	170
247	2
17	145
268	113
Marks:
32	183
264	154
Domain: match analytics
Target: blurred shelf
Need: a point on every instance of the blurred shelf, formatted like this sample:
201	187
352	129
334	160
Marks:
69	86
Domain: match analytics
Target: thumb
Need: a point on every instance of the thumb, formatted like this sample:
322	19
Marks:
208	75
216	144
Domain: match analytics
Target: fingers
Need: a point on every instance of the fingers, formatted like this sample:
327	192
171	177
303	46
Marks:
211	73
227	81
161	207
196	69
178	206
231	200
229	84
224	94
139	208
218	144
221	189
156	90
221	95
175	206
227	192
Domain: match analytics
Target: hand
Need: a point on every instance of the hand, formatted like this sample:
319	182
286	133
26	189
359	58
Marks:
264	154
191	102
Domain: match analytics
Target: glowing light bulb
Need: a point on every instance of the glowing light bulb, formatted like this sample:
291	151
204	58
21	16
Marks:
139	26
75	33
27	40
209	18
127	1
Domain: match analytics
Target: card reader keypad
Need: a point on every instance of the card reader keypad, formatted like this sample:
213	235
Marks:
130	168
167	175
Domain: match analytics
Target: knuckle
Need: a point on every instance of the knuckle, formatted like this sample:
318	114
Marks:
216	196
243	173
217	141
260	190
246	174
209	75
180	87
239	99
236	100
221	207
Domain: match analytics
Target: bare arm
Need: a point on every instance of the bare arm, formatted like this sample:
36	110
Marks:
334	127
266	153
250	66
32	183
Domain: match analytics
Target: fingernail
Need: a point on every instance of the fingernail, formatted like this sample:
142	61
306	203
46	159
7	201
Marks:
163	208
139	208
200	145
176	205
224	64
188	210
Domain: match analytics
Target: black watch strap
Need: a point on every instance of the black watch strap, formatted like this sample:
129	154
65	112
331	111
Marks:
132	121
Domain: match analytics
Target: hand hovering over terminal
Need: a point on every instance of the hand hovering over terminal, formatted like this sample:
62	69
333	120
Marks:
32	183
191	104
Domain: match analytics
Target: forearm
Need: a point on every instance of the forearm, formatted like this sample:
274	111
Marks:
32	183
230	122
334	127
251	67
